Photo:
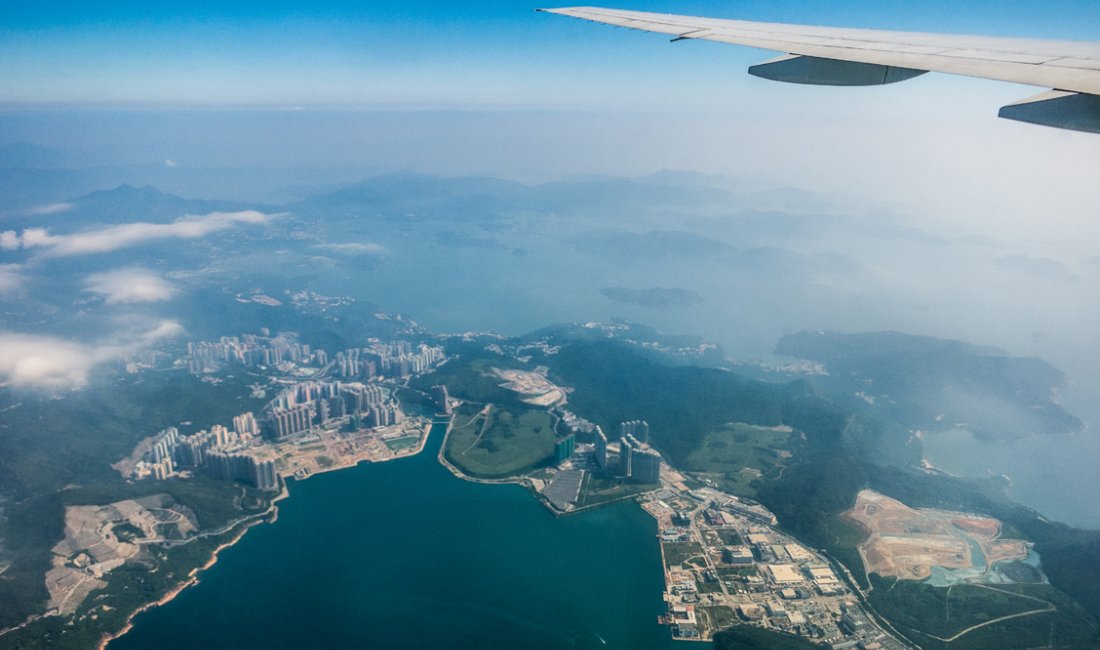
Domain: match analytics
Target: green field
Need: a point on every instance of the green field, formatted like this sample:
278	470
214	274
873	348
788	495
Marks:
678	553
737	454
601	489
720	617
511	442
735	572
729	537
404	442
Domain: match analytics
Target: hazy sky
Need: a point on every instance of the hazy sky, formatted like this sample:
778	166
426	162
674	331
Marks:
504	90
386	52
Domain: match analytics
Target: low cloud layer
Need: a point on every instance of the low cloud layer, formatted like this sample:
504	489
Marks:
32	361
52	208
130	285
114	238
354	248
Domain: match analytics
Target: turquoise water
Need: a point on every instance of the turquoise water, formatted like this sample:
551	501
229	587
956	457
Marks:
404	555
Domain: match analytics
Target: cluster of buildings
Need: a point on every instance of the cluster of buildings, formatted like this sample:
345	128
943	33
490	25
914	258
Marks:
392	359
142	359
636	460
220	453
305	405
230	454
721	553
637	428
249	350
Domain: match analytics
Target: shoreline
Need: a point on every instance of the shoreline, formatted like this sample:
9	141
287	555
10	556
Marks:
192	579
524	482
270	516
521	481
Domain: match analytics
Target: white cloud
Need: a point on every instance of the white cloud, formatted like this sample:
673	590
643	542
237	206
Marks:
166	329
9	240
51	208
354	248
130	285
131	234
11	279
28	360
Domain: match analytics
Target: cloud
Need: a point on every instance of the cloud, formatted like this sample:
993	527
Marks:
130	285
9	241
354	248
34	361
166	329
11	279
113	238
52	208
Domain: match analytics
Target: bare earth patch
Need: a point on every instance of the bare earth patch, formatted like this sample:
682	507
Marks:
907	543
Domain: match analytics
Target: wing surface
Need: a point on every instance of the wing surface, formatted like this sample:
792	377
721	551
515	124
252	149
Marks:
858	57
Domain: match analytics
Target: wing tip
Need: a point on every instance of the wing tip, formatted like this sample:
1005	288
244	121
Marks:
564	11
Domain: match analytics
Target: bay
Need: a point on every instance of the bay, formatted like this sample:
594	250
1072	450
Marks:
404	555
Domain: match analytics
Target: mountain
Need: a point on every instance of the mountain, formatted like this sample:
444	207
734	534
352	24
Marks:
126	204
930	383
1040	267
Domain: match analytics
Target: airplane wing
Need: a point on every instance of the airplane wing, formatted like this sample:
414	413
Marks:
865	57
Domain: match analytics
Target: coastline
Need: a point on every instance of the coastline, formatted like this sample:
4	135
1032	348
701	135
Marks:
192	579
524	482
270	516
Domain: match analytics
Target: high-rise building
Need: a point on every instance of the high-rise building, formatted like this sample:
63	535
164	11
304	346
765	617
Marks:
245	424
564	448
291	421
163	469
627	445
637	428
601	448
383	415
263	474
165	444
645	466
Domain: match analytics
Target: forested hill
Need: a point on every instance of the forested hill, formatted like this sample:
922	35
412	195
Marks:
928	383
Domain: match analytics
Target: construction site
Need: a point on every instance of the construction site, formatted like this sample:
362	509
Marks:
919	544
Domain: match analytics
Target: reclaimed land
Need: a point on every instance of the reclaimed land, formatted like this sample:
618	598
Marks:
498	442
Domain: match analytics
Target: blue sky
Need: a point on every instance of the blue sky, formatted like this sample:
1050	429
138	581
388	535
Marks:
388	53
593	99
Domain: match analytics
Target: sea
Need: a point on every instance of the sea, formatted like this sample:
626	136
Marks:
403	554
